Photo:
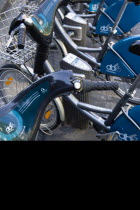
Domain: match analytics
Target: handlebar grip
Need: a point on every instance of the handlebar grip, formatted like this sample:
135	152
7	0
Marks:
89	85
22	36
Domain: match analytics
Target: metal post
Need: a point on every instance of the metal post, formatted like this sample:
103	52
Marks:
98	13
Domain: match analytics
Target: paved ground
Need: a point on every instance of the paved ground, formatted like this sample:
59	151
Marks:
103	99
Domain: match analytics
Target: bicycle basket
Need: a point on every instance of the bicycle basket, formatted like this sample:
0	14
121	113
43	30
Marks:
31	4
17	3
8	48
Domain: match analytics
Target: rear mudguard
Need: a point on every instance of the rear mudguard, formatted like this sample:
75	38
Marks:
128	131
119	61
131	17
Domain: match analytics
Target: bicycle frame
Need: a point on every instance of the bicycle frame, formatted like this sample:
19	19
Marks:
42	56
48	69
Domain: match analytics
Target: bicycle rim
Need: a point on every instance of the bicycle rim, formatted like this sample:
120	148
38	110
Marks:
49	119
12	82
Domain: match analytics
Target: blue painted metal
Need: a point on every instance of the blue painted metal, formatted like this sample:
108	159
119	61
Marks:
43	20
110	2
128	132
113	65
20	122
94	5
130	18
12	124
122	47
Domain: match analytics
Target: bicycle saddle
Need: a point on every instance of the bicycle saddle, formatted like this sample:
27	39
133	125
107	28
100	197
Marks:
135	48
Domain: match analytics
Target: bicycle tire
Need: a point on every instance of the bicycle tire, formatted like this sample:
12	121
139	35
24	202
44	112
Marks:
121	91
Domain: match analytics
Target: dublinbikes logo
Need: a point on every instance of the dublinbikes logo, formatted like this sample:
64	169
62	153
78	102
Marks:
95	7
10	128
113	69
125	137
105	29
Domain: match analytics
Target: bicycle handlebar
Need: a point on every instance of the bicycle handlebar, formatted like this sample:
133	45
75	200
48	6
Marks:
40	24
21	36
89	85
20	119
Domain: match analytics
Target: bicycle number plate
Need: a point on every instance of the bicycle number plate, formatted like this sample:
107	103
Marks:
77	62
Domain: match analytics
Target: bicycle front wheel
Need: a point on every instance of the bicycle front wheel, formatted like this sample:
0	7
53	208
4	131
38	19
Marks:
13	81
